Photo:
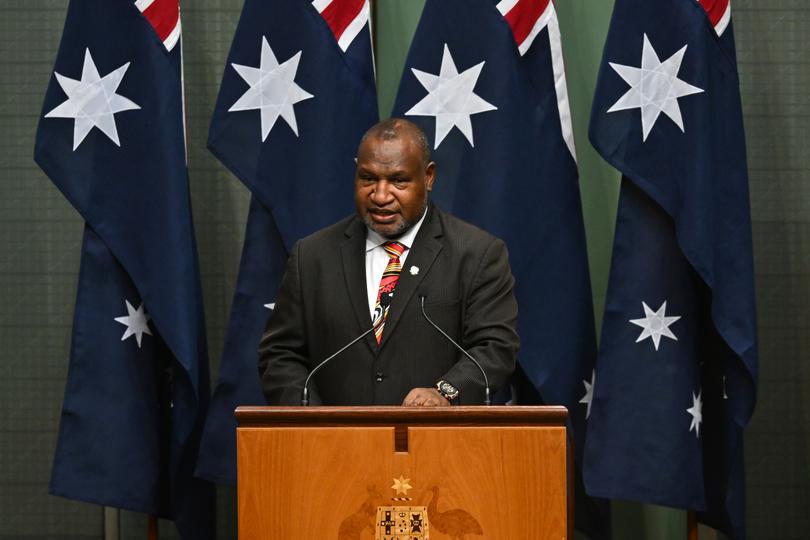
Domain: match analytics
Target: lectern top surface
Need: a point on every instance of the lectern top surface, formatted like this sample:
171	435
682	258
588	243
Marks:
388	415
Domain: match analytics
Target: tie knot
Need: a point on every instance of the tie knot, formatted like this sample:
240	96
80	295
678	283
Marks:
394	249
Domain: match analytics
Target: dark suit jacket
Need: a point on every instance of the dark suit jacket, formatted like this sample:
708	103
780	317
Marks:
322	305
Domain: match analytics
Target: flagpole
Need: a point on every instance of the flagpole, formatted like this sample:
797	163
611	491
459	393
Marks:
112	529
152	528
691	525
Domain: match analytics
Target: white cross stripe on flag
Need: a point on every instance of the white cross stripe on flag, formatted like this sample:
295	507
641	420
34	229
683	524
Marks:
164	16
346	18
719	12
527	18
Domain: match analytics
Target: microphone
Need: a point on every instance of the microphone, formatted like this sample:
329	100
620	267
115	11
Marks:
305	392
487	401
385	301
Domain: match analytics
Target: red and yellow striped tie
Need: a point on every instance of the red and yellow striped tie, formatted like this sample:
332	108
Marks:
387	285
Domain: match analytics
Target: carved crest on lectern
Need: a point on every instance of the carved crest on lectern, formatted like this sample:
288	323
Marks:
406	522
402	523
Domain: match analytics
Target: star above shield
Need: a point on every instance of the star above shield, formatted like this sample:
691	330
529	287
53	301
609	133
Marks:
273	90
402	485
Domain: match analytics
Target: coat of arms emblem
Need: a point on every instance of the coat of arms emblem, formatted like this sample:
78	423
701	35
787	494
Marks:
402	523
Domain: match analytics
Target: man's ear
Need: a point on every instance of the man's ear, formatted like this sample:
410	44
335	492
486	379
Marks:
430	175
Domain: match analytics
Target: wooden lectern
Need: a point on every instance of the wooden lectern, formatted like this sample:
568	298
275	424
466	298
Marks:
396	473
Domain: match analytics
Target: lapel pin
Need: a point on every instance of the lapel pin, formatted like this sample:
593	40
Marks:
414	270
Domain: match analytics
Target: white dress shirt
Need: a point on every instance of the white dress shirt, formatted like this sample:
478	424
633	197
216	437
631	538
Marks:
377	259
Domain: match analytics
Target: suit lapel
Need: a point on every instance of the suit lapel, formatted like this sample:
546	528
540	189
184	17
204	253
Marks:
352	253
426	247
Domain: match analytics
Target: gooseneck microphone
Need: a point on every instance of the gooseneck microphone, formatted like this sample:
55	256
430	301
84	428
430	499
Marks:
305	391
487	401
385	301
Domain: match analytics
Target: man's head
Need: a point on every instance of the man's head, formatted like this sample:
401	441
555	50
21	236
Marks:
393	177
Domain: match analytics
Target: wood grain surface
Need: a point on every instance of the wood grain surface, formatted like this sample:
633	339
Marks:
499	482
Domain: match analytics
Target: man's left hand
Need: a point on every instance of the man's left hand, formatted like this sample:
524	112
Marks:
425	397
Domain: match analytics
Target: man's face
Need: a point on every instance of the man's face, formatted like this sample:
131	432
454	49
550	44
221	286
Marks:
391	184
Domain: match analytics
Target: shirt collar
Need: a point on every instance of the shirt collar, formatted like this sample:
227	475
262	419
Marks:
374	239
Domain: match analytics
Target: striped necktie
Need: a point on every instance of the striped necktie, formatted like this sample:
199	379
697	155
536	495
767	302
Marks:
387	284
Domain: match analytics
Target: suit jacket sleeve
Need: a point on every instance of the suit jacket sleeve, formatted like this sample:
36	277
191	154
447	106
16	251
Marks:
283	355
488	327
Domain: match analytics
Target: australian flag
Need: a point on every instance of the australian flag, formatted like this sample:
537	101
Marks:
297	95
111	138
485	80
677	368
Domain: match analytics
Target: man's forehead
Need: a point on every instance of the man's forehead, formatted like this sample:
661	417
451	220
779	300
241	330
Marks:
387	151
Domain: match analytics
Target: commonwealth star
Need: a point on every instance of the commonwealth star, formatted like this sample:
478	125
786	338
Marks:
273	90
92	101
450	98
654	87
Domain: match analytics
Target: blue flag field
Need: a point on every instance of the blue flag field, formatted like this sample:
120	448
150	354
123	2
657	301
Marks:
677	367
485	80
297	94
111	139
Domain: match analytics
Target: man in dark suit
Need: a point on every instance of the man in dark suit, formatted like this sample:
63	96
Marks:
377	268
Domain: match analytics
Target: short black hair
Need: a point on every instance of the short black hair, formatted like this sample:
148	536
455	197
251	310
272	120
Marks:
395	128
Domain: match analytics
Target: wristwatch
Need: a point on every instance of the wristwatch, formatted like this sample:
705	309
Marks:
447	390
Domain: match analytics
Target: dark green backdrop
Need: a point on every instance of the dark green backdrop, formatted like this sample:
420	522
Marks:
40	237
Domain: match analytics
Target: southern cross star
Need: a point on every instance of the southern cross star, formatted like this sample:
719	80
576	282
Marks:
137	323
273	90
654	87
588	397
696	410
655	324
92	101
450	98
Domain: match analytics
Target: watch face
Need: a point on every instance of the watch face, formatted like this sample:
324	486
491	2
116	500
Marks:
447	389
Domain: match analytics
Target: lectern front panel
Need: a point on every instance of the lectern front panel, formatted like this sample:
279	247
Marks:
447	480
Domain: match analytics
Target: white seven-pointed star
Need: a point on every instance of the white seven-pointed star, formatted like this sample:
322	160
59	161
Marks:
696	410
92	101
450	98
137	323
270	306
654	88
272	91
588	397
655	324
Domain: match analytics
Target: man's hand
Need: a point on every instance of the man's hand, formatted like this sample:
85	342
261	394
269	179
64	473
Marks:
425	397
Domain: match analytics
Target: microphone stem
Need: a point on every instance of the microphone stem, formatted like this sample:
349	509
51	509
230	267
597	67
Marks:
487	400
305	392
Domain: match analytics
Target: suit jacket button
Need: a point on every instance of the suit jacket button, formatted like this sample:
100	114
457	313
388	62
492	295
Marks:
380	376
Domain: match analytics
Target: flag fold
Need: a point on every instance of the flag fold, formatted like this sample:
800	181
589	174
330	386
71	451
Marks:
677	366
297	94
111	139
485	80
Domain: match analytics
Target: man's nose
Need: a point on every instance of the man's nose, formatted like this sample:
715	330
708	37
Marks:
381	195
